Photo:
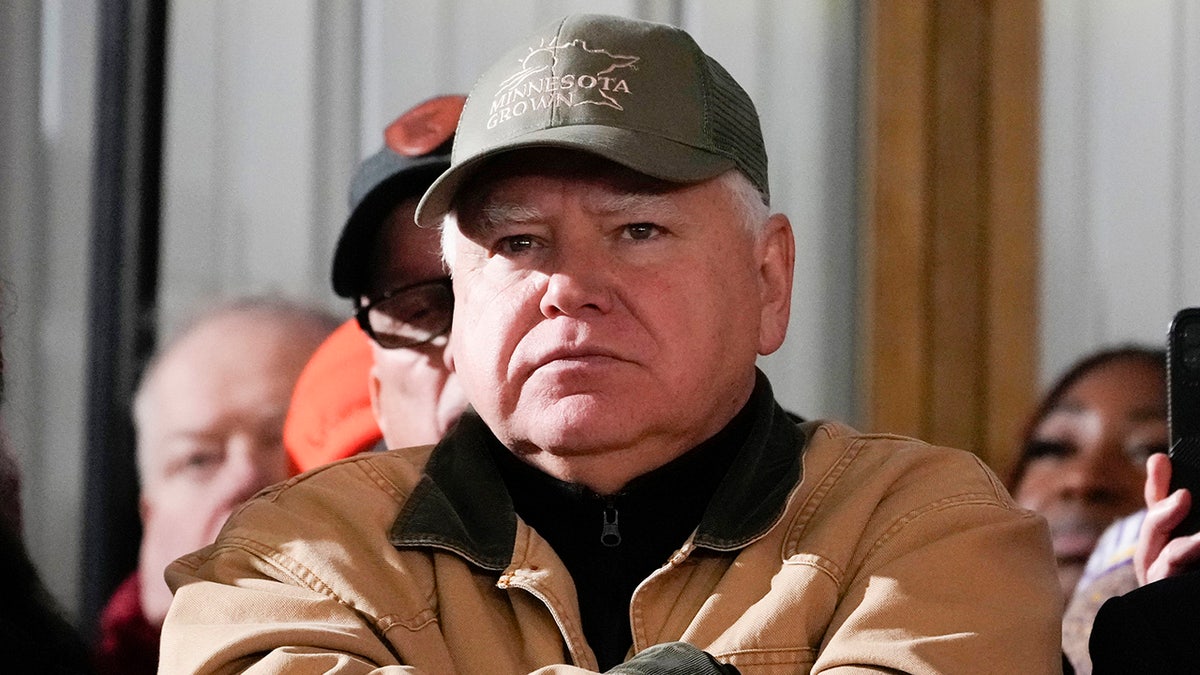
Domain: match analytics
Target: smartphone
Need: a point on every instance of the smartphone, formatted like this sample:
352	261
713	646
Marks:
1183	410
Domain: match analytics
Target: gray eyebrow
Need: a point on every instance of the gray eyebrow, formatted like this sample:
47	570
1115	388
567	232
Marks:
495	214
633	203
500	213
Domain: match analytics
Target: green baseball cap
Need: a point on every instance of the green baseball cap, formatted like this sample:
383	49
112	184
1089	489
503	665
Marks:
641	94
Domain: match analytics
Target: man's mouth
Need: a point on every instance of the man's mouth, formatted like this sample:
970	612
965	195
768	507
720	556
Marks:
576	355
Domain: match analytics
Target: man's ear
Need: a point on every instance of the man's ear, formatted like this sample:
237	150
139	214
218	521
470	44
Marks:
777	262
374	386
448	353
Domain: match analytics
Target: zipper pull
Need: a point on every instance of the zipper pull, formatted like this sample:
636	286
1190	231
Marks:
610	535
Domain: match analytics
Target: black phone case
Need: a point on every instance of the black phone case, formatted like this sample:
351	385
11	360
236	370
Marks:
1183	410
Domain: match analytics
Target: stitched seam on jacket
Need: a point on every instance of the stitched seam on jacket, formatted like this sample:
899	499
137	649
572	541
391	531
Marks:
1000	492
683	571
745	657
378	477
365	463
962	499
310	580
816	498
554	604
822	564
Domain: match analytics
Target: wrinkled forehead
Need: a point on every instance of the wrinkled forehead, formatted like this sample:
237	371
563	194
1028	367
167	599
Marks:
511	187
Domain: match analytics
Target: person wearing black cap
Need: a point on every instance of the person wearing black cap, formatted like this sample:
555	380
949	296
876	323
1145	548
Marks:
624	493
392	272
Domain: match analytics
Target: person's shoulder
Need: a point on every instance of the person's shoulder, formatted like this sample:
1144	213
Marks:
1166	600
391	472
1145	630
901	462
356	497
868	499
327	530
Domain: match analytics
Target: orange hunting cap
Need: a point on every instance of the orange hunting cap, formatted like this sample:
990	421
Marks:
330	415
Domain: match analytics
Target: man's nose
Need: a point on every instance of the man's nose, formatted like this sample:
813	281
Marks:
580	282
253	464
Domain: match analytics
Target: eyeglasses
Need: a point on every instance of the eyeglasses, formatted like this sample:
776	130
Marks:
409	316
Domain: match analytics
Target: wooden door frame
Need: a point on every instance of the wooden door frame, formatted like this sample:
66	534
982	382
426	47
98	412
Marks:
949	287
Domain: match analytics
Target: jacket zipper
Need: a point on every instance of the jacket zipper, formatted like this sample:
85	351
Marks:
610	532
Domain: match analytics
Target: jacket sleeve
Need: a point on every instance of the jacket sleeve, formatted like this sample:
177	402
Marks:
333	639
326	636
955	579
318	634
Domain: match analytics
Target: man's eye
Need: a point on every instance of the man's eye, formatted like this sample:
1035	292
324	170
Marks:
642	230
198	460
203	459
517	243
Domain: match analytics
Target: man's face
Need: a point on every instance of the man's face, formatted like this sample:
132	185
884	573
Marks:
210	435
606	322
413	393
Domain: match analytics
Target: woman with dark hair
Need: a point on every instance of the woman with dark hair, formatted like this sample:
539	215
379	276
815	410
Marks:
1082	466
1083	460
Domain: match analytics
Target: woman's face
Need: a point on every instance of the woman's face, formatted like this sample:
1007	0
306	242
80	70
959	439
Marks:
1086	458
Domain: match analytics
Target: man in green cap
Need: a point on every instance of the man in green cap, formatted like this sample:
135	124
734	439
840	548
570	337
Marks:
625	494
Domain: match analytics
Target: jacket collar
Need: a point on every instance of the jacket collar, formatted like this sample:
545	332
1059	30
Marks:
461	503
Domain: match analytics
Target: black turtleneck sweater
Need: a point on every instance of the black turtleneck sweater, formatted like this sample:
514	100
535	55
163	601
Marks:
611	543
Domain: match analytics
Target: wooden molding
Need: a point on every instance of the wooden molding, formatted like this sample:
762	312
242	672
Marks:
949	232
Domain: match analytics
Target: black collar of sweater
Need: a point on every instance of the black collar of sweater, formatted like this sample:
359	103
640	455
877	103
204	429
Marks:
657	510
462	504
610	543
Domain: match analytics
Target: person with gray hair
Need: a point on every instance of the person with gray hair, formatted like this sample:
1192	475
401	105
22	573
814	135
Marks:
624	494
208	415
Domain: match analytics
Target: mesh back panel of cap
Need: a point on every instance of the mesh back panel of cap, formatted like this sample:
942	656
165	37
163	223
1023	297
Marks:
736	126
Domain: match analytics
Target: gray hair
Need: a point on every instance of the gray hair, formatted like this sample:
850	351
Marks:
311	325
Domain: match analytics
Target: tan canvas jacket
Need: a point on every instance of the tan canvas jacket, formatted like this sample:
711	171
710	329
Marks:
889	555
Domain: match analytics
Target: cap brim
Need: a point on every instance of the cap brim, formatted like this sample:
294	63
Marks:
358	234
645	153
